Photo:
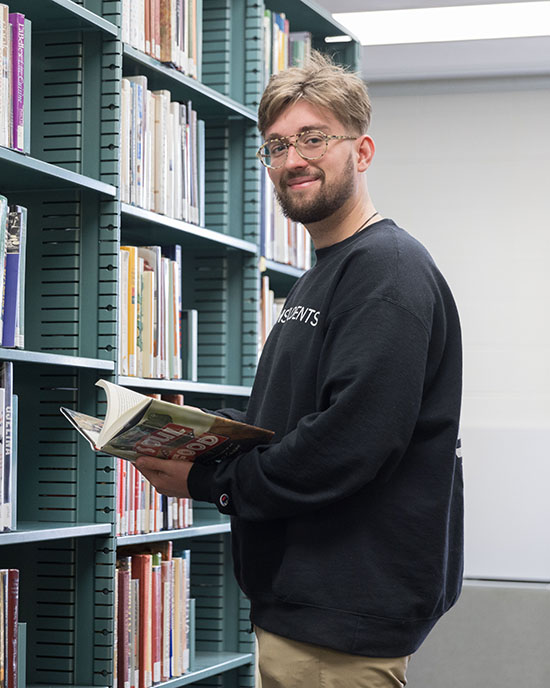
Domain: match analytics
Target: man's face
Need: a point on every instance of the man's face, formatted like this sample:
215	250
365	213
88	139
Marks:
312	190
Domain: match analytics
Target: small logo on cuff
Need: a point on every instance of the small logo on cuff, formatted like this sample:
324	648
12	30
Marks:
224	499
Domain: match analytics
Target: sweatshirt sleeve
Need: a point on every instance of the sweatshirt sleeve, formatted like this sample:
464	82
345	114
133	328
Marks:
371	376
231	413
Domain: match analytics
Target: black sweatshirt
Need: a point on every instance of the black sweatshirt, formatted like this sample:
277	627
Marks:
348	528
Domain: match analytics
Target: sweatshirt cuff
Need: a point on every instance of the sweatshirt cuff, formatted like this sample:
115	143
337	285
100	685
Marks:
202	487
199	482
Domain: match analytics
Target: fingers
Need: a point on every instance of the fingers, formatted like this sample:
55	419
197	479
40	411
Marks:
168	477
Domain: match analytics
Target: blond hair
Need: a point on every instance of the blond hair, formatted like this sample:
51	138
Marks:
320	83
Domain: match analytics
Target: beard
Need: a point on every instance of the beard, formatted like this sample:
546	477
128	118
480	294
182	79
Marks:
330	198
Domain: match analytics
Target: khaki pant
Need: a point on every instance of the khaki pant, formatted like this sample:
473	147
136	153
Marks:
285	663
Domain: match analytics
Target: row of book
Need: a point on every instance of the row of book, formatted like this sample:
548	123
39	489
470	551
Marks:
168	30
141	509
153	613
283	48
162	152
9	612
282	239
13	243
8	448
158	339
270	310
15	76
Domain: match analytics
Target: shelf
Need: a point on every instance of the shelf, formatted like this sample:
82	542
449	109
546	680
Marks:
22	356
169	230
185	386
22	172
207	664
306	15
210	664
198	530
62	15
37	531
281	276
272	266
206	101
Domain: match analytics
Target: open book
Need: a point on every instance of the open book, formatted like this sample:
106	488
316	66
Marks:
137	425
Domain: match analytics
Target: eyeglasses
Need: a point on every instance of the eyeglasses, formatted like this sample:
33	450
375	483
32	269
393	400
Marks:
310	145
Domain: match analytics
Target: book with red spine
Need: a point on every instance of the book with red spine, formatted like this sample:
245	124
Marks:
142	571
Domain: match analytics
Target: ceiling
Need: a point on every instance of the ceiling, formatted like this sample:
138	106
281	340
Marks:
460	59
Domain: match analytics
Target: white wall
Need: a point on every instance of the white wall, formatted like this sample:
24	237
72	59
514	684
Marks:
465	167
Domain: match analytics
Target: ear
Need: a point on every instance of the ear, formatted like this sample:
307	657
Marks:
365	153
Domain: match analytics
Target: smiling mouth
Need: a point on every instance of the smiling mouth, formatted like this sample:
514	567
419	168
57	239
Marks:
301	183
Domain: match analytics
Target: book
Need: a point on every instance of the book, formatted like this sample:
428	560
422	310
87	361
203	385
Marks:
6	382
12	613
136	425
5	60
15	239
17	27
4	214
141	567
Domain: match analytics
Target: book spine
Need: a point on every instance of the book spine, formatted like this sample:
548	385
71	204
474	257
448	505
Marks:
132	307
3	614
190	326
165	31
20	316
142	570
187	592
135	638
156	615
147	23
17	22
166	579
12	619
12	266
4	213
5	105
27	89
7	384
2	467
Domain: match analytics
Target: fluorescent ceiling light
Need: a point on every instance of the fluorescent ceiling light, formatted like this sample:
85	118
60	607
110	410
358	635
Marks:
344	38
458	23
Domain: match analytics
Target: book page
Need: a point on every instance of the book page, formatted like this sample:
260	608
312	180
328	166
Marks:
88	426
122	404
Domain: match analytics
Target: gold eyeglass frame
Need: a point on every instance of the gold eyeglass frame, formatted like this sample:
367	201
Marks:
288	143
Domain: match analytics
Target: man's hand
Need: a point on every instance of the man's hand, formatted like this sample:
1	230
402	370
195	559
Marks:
169	477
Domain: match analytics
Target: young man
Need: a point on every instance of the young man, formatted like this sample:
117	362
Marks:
347	529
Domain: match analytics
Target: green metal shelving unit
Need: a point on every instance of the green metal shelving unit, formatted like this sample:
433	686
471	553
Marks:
64	544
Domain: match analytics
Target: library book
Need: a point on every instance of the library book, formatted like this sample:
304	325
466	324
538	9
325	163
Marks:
138	425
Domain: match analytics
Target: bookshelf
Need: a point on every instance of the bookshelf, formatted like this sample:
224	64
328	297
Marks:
63	544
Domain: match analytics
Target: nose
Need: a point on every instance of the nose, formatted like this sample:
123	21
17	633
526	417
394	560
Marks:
293	158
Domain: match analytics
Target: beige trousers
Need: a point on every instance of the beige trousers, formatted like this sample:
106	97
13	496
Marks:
285	663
